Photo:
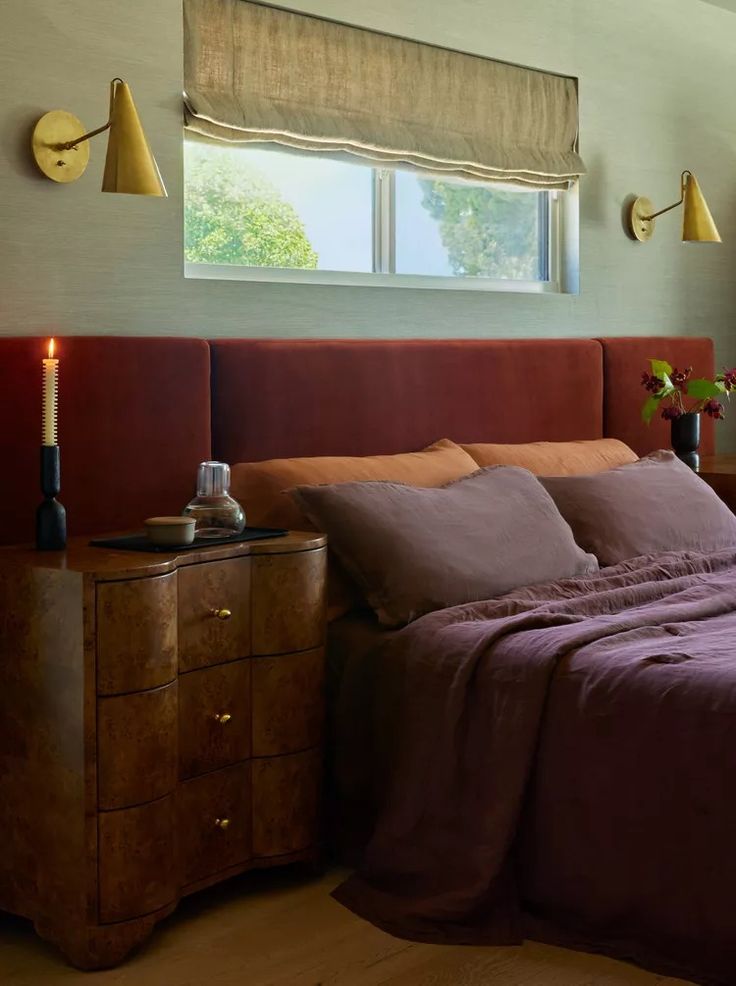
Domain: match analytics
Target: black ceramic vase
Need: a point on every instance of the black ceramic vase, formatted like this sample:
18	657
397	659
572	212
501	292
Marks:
686	438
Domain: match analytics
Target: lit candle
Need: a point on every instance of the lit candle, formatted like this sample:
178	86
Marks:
50	396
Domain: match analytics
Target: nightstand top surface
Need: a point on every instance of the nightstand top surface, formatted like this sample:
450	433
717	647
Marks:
723	465
108	564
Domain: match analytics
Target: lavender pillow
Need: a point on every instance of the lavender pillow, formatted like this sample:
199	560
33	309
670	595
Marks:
642	508
414	550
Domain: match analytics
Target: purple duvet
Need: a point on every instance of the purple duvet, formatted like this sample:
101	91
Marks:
561	763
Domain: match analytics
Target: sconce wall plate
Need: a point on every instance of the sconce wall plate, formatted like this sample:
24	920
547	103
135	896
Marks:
641	228
52	130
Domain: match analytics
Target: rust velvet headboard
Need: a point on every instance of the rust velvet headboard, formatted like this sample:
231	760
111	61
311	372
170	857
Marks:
138	414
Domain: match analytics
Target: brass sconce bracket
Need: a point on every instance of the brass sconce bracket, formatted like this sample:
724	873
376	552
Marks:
640	221
54	147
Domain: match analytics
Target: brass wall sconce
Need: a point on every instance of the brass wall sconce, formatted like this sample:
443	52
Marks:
697	222
61	149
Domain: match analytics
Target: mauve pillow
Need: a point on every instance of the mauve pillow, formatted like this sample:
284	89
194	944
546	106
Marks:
414	550
261	488
652	505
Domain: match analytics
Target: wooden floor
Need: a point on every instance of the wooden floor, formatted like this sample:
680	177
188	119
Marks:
276	930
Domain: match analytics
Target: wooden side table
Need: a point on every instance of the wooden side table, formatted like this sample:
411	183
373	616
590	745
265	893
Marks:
161	724
719	472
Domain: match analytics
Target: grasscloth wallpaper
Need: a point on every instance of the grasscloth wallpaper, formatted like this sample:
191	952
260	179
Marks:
656	96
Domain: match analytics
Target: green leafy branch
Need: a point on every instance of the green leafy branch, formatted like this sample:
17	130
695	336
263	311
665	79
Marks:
667	385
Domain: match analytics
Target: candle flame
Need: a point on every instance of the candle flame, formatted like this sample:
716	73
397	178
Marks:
52	345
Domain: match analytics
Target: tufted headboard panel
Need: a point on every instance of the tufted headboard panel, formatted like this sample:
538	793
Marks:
316	397
134	421
623	361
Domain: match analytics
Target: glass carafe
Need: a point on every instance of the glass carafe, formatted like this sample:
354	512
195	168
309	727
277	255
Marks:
215	512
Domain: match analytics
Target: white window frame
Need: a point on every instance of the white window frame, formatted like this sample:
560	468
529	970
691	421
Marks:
561	252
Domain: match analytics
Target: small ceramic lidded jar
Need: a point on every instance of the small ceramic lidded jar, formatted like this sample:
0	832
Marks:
215	513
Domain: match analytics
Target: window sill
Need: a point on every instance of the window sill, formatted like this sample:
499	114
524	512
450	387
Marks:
224	272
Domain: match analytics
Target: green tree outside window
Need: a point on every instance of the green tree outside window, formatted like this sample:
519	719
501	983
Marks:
233	215
487	232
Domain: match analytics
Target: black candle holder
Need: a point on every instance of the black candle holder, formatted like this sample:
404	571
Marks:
50	516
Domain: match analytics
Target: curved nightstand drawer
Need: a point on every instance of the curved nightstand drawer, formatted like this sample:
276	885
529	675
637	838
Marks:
136	747
136	634
214	717
289	601
137	863
286	798
214	613
288	702
214	822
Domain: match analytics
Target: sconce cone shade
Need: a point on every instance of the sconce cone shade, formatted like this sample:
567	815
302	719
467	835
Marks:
130	166
697	222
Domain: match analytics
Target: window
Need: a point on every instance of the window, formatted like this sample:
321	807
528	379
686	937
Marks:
344	213
265	212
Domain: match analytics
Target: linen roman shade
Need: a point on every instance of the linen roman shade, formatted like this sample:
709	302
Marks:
259	73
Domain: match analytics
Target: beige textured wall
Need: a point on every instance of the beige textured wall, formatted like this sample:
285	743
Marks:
657	81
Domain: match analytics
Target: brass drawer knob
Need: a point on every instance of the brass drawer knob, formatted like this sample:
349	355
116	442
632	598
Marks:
222	614
222	717
222	823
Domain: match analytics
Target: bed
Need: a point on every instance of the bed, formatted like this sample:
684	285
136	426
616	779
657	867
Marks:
555	761
552	764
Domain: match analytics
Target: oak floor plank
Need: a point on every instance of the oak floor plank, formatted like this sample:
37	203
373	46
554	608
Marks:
278	929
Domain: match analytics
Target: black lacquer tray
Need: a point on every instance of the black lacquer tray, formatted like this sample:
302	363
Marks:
139	542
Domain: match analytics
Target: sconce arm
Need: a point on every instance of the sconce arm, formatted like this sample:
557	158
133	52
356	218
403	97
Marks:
661	211
73	143
93	133
674	205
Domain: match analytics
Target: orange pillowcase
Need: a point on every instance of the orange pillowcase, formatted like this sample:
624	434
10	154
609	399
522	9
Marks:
260	488
556	458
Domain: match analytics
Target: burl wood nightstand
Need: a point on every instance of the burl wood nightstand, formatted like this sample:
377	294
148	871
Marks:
719	472
161	723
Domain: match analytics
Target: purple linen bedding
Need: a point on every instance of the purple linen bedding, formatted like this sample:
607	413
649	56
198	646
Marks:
566	753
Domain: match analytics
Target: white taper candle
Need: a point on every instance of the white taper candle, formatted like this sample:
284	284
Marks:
50	396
